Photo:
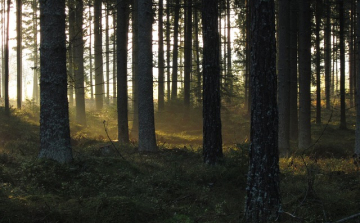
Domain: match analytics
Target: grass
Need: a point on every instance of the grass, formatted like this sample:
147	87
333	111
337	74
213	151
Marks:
321	184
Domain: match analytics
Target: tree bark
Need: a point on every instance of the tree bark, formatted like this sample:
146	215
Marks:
78	56
19	51
54	116
107	54
263	186
327	49
122	94
304	74
161	68
342	66
284	77
357	130
147	141
212	139
318	15
187	53
174	76
99	78
6	61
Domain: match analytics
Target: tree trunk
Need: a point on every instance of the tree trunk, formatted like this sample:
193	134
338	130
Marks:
263	186
90	56
122	94
304	74
115	56
35	51
187	53
351	54
357	130
99	78
71	51
19	51
161	89
174	77
6	61
212	139
284	77
54	116
318	55
327	49
147	141
293	71
197	52
342	66
135	73
168	54
78	56
107	54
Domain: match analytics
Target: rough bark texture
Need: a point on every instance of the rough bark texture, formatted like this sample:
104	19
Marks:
263	193
284	76
122	94
54	116
161	90
99	78
135	73
19	51
78	56
174	77
147	141
304	74
342	66
293	71
212	139
357	130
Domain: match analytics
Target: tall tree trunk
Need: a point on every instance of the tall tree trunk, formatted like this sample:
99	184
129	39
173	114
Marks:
318	55
197	52
19	51
212	139
147	141
90	55
168	54
284	77
71	51
357	130
293	71
263	184
78	55
174	77
107	53
248	58
54	115
187	52
99	78
229	63
342	66
115	55
135	73
6	61
122	94
351	55
304	74
161	89
327	49
35	68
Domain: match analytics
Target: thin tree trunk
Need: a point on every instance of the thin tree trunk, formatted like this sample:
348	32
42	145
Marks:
174	78
327	49
198	73
357	130
342	66
168	54
107	54
6	61
161	89
99	78
187	52
115	56
90	55
78	46
318	55
19	51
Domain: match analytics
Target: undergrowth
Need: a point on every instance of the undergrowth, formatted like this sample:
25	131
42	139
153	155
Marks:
321	184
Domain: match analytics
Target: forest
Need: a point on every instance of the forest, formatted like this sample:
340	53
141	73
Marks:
180	111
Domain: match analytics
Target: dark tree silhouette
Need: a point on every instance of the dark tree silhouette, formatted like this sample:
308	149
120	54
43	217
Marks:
54	116
263	193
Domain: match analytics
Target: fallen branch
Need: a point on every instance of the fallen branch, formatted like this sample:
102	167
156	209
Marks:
104	122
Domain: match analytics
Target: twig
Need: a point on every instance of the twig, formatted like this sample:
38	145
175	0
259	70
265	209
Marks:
347	218
104	122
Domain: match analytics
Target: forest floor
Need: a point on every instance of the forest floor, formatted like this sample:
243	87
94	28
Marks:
321	184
